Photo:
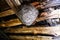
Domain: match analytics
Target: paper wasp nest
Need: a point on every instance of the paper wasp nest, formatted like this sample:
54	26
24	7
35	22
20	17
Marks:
27	14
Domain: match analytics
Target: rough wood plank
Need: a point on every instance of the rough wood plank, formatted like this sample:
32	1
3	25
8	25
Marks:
31	37
36	30
7	13
10	23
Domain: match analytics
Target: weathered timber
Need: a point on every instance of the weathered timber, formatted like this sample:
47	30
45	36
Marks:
31	37
10	23
36	30
7	13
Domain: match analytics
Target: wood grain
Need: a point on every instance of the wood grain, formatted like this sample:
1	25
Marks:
11	23
36	30
7	13
31	37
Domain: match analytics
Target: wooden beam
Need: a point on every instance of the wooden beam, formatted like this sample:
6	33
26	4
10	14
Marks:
7	13
36	30
31	37
11	23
